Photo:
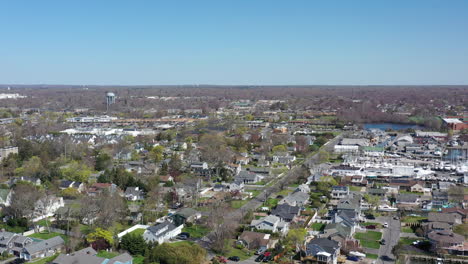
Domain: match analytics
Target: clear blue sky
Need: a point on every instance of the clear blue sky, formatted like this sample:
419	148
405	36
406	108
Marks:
234	42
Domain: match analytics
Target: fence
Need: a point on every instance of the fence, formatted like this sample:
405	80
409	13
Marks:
131	229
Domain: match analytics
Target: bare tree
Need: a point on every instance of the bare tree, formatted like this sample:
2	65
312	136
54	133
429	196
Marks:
24	199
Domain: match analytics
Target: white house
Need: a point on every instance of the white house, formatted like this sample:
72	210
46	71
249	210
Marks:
271	223
162	232
47	207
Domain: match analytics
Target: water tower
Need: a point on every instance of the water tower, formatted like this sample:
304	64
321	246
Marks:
110	99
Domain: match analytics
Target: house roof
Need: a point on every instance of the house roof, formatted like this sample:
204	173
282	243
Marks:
187	212
285	211
162	226
407	198
4	194
249	237
446	236
441	217
44	244
297	196
319	245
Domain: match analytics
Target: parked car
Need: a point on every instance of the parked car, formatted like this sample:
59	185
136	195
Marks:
261	250
385	225
382	241
371	227
353	258
370	216
386	258
267	259
260	258
220	259
234	258
182	237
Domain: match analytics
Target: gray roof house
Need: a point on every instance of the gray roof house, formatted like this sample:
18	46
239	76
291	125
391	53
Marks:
321	250
247	177
134	194
271	223
286	212
88	256
44	248
13	243
296	199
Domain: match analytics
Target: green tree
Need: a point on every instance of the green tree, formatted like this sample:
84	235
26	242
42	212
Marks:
279	148
182	253
76	171
103	161
295	238
134	244
156	154
100	233
31	168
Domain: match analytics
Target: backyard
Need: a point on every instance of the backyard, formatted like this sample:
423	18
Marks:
196	231
369	239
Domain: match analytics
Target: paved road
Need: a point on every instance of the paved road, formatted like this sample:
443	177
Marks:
391	236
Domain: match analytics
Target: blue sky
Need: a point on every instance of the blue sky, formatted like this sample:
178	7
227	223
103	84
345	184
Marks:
234	42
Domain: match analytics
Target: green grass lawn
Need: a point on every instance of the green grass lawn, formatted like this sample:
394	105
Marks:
355	188
243	254
271	202
48	235
318	226
407	229
196	231
105	254
43	222
138	231
372	256
45	260
413	219
255	193
369	239
238	203
283	192
138	260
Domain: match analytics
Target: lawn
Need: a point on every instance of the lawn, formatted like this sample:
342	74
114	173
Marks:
243	254
413	219
138	231
283	192
48	235
255	193
318	226
369	239
43	222
355	188
238	203
196	231
271	202
138	260
107	254
407	229
372	256
45	260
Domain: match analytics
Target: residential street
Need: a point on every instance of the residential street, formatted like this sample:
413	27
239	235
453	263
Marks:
391	236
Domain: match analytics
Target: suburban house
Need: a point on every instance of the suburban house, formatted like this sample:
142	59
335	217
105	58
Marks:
452	219
284	159
186	215
65	184
350	203
229	187
321	250
303	188
255	240
44	248
339	192
417	187
162	232
295	199
338	232
134	194
445	239
200	169
13	243
271	223
33	180
47	206
408	200
286	212
88	256
247	177
456	210
166	178
5	197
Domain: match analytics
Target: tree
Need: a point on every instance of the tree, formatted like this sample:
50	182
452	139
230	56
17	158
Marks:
70	193
134	244
100	235
156	154
182	253
24	199
372	199
214	150
103	161
295	238
76	171
31	168
279	148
